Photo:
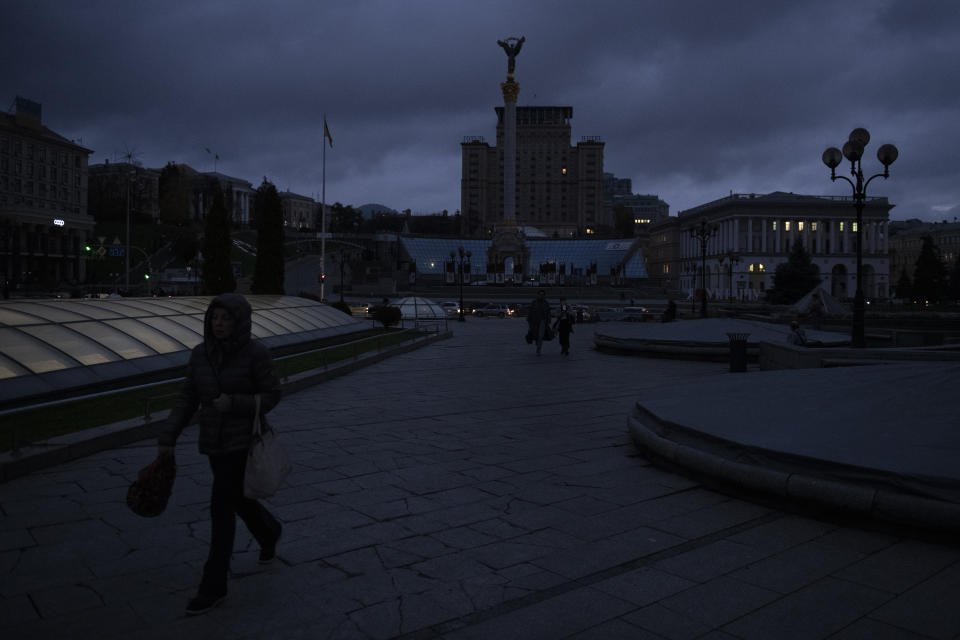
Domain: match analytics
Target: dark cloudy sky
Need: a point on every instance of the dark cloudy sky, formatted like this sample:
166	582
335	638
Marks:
694	99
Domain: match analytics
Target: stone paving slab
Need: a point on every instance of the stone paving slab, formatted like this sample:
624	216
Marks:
470	489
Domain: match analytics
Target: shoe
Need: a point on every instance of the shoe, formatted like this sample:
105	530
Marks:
203	602
269	553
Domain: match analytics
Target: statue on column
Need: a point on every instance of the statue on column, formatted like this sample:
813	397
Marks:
512	47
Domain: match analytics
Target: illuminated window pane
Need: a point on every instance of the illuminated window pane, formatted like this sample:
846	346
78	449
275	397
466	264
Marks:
32	353
800	225
75	344
114	339
786	225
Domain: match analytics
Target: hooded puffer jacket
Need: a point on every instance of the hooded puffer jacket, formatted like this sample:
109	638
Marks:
240	367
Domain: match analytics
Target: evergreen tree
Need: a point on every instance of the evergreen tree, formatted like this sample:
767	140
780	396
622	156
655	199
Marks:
174	195
268	272
794	278
217	270
930	274
904	287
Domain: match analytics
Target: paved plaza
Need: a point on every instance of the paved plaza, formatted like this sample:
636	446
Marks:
468	489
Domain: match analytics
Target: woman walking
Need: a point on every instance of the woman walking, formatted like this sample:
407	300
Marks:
224	375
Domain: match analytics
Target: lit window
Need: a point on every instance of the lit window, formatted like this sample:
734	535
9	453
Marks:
786	225
841	225
800	225
563	171
853	227
774	225
813	226
666	268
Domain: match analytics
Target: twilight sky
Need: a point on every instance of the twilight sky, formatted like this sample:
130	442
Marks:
693	98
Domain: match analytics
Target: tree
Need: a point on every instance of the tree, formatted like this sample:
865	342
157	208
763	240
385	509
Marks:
623	221
174	195
929	274
794	278
343	219
268	272
217	270
904	287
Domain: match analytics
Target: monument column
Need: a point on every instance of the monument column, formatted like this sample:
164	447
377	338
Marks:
510	88
510	91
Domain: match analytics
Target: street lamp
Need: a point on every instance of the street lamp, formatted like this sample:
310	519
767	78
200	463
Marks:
732	258
703	232
463	255
853	151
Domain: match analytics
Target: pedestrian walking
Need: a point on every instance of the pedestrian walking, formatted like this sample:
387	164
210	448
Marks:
564	327
224	375
538	319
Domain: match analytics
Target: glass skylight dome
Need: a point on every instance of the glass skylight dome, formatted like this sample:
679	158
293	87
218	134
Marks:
54	345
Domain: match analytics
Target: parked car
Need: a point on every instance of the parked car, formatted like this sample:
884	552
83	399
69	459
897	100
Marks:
452	308
493	309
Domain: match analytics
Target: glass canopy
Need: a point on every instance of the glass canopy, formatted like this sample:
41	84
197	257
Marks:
46	345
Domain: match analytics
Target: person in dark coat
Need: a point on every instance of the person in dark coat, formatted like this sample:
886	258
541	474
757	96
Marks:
225	373
564	327
538	319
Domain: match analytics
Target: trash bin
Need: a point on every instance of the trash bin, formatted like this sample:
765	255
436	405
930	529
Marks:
738	352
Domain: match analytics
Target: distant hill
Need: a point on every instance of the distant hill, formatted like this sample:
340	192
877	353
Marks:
369	210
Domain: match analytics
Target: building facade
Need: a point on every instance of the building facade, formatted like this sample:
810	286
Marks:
645	208
44	224
906	240
661	247
754	234
119	185
238	196
299	212
559	187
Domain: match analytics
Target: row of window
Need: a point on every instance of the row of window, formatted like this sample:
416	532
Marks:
41	171
29	150
45	191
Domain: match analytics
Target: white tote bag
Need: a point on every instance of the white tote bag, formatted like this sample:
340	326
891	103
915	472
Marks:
267	461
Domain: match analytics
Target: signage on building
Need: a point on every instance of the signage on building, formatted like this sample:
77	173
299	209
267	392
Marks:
58	222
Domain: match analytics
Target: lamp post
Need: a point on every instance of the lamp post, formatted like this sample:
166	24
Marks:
703	232
732	258
462	255
853	151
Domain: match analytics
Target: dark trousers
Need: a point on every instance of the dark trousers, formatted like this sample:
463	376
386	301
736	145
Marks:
226	503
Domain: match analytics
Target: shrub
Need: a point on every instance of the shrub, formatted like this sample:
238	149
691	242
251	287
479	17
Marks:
387	316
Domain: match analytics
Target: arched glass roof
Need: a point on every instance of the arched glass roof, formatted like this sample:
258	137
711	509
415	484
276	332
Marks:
52	345
432	254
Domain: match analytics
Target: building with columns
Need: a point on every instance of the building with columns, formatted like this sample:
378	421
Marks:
754	234
237	196
44	224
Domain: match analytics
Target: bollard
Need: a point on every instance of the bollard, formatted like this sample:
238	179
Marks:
738	352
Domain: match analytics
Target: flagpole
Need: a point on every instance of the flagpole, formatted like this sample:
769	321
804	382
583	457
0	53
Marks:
323	208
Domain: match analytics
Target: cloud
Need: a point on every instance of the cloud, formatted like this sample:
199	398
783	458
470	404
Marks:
692	98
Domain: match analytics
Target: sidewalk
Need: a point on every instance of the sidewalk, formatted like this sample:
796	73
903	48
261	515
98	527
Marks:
469	489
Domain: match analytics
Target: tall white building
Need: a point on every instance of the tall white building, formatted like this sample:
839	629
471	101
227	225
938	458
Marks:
754	234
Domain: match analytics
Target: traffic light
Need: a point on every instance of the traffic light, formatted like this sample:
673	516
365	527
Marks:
87	248
323	278
146	276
